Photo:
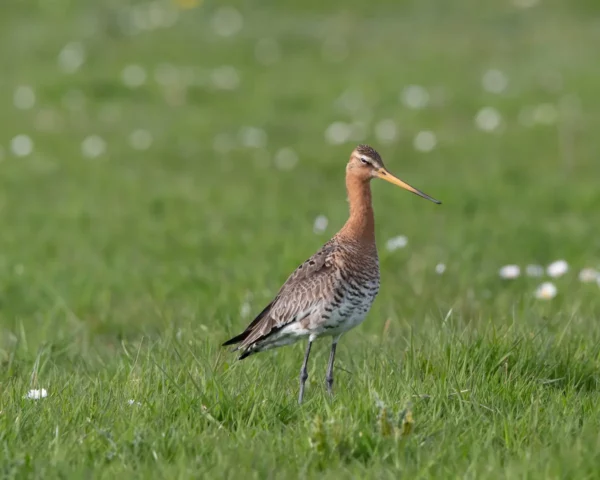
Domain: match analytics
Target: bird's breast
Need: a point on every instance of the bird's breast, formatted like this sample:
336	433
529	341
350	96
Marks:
350	303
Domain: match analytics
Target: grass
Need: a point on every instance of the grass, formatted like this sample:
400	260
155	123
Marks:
122	274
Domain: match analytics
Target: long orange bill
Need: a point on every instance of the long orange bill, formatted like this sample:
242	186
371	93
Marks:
388	177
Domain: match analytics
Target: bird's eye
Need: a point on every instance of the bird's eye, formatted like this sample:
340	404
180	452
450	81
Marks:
364	161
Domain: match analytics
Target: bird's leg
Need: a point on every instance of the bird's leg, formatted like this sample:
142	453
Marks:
304	370
329	377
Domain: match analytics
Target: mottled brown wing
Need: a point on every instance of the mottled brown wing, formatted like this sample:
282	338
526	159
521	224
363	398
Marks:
304	290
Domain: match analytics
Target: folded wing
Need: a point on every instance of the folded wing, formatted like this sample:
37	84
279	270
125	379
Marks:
311	284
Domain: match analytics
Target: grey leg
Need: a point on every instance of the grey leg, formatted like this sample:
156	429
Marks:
304	371
329	377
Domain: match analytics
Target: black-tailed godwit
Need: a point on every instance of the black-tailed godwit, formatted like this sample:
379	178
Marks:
334	289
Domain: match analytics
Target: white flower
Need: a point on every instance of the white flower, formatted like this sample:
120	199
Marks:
133	402
253	137
425	141
534	270
488	119
320	224
225	78
93	146
24	97
71	57
36	394
21	145
415	97
440	268
285	159
546	291
227	21
134	76
386	131
352	101
509	271
494	81
338	133
557	269
588	275
395	243
140	139
245	310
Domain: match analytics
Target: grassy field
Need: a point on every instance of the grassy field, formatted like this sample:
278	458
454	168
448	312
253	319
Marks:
161	170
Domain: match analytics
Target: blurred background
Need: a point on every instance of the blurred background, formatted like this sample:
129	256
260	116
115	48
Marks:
165	164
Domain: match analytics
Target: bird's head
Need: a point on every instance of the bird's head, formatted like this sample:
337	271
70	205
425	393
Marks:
365	163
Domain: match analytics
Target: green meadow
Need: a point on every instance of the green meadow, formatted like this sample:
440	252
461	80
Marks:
165	165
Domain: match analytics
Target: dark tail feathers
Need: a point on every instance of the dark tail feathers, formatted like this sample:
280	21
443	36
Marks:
237	339
242	336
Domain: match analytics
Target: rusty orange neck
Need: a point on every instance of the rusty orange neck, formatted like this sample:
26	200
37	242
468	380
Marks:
361	223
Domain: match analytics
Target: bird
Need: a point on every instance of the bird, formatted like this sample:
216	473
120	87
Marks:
332	291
